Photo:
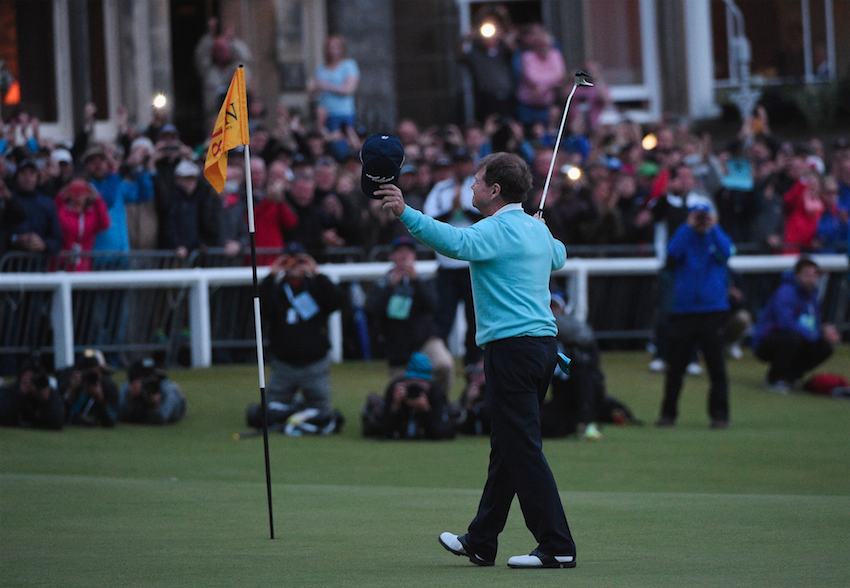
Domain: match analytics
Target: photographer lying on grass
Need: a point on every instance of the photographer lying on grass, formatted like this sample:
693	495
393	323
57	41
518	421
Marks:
31	401
91	397
414	406
149	397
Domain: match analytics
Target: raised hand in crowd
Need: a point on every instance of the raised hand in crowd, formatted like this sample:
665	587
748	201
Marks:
295	266
701	221
831	334
331	238
35	129
89	113
403	268
140	157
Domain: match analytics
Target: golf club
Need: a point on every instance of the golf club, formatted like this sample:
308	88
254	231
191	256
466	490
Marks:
581	79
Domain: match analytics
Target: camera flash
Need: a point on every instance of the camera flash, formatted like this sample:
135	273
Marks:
488	29
159	101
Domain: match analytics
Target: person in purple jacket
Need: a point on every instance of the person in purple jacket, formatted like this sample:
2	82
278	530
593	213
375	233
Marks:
789	334
698	253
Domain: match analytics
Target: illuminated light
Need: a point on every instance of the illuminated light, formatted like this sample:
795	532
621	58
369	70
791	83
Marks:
159	101
571	171
13	96
488	29
649	142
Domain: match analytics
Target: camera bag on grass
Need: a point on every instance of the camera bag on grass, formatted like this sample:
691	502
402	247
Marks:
294	419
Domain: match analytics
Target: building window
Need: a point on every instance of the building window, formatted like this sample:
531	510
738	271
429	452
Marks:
97	58
27	75
788	39
613	28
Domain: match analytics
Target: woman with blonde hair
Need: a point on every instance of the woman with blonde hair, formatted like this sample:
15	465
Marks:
333	86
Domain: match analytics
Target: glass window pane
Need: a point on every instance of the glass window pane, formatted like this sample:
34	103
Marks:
614	38
97	58
774	29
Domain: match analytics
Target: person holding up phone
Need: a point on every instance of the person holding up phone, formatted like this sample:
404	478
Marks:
83	215
297	301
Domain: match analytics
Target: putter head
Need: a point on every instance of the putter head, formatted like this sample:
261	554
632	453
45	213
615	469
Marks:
583	78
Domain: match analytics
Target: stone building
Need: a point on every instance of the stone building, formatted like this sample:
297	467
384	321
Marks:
680	57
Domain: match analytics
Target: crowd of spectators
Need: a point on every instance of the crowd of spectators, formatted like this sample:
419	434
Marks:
770	195
615	181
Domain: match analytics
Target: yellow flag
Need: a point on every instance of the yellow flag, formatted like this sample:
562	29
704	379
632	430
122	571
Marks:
231	129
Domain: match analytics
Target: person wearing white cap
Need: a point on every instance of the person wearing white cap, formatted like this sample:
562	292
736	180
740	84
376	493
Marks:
142	220
60	169
192	220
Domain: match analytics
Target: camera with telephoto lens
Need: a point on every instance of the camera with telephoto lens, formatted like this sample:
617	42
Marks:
40	381
415	391
150	386
91	377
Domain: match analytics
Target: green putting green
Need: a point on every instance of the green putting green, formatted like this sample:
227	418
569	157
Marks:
764	503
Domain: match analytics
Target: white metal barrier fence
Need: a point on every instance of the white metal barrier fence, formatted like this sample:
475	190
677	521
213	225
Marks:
198	281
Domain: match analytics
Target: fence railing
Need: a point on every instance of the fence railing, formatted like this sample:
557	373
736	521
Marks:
195	291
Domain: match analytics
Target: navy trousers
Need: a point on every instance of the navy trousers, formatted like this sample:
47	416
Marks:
791	355
687	331
518	371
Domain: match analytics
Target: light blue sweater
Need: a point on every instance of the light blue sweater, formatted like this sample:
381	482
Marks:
511	255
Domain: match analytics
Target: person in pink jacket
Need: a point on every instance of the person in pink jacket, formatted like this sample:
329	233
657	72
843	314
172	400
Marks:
82	215
541	74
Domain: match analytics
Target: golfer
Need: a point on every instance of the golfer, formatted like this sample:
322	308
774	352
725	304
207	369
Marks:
511	255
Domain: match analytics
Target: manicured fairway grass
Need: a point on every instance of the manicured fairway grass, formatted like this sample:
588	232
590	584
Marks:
764	503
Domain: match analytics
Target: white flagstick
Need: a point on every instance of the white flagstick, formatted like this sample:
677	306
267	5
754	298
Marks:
249	189
258	327
581	79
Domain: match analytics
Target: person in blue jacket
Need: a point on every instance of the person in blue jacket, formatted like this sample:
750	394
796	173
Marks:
511	256
789	334
698	251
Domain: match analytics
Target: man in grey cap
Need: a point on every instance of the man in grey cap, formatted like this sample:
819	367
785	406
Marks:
193	218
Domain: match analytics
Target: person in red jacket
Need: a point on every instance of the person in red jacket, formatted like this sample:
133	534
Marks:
803	209
82	216
272	215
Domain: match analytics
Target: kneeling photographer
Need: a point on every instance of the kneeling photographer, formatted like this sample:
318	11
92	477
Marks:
91	397
414	406
149	397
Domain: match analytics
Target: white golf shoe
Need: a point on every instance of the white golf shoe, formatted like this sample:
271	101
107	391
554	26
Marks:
540	560
452	543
